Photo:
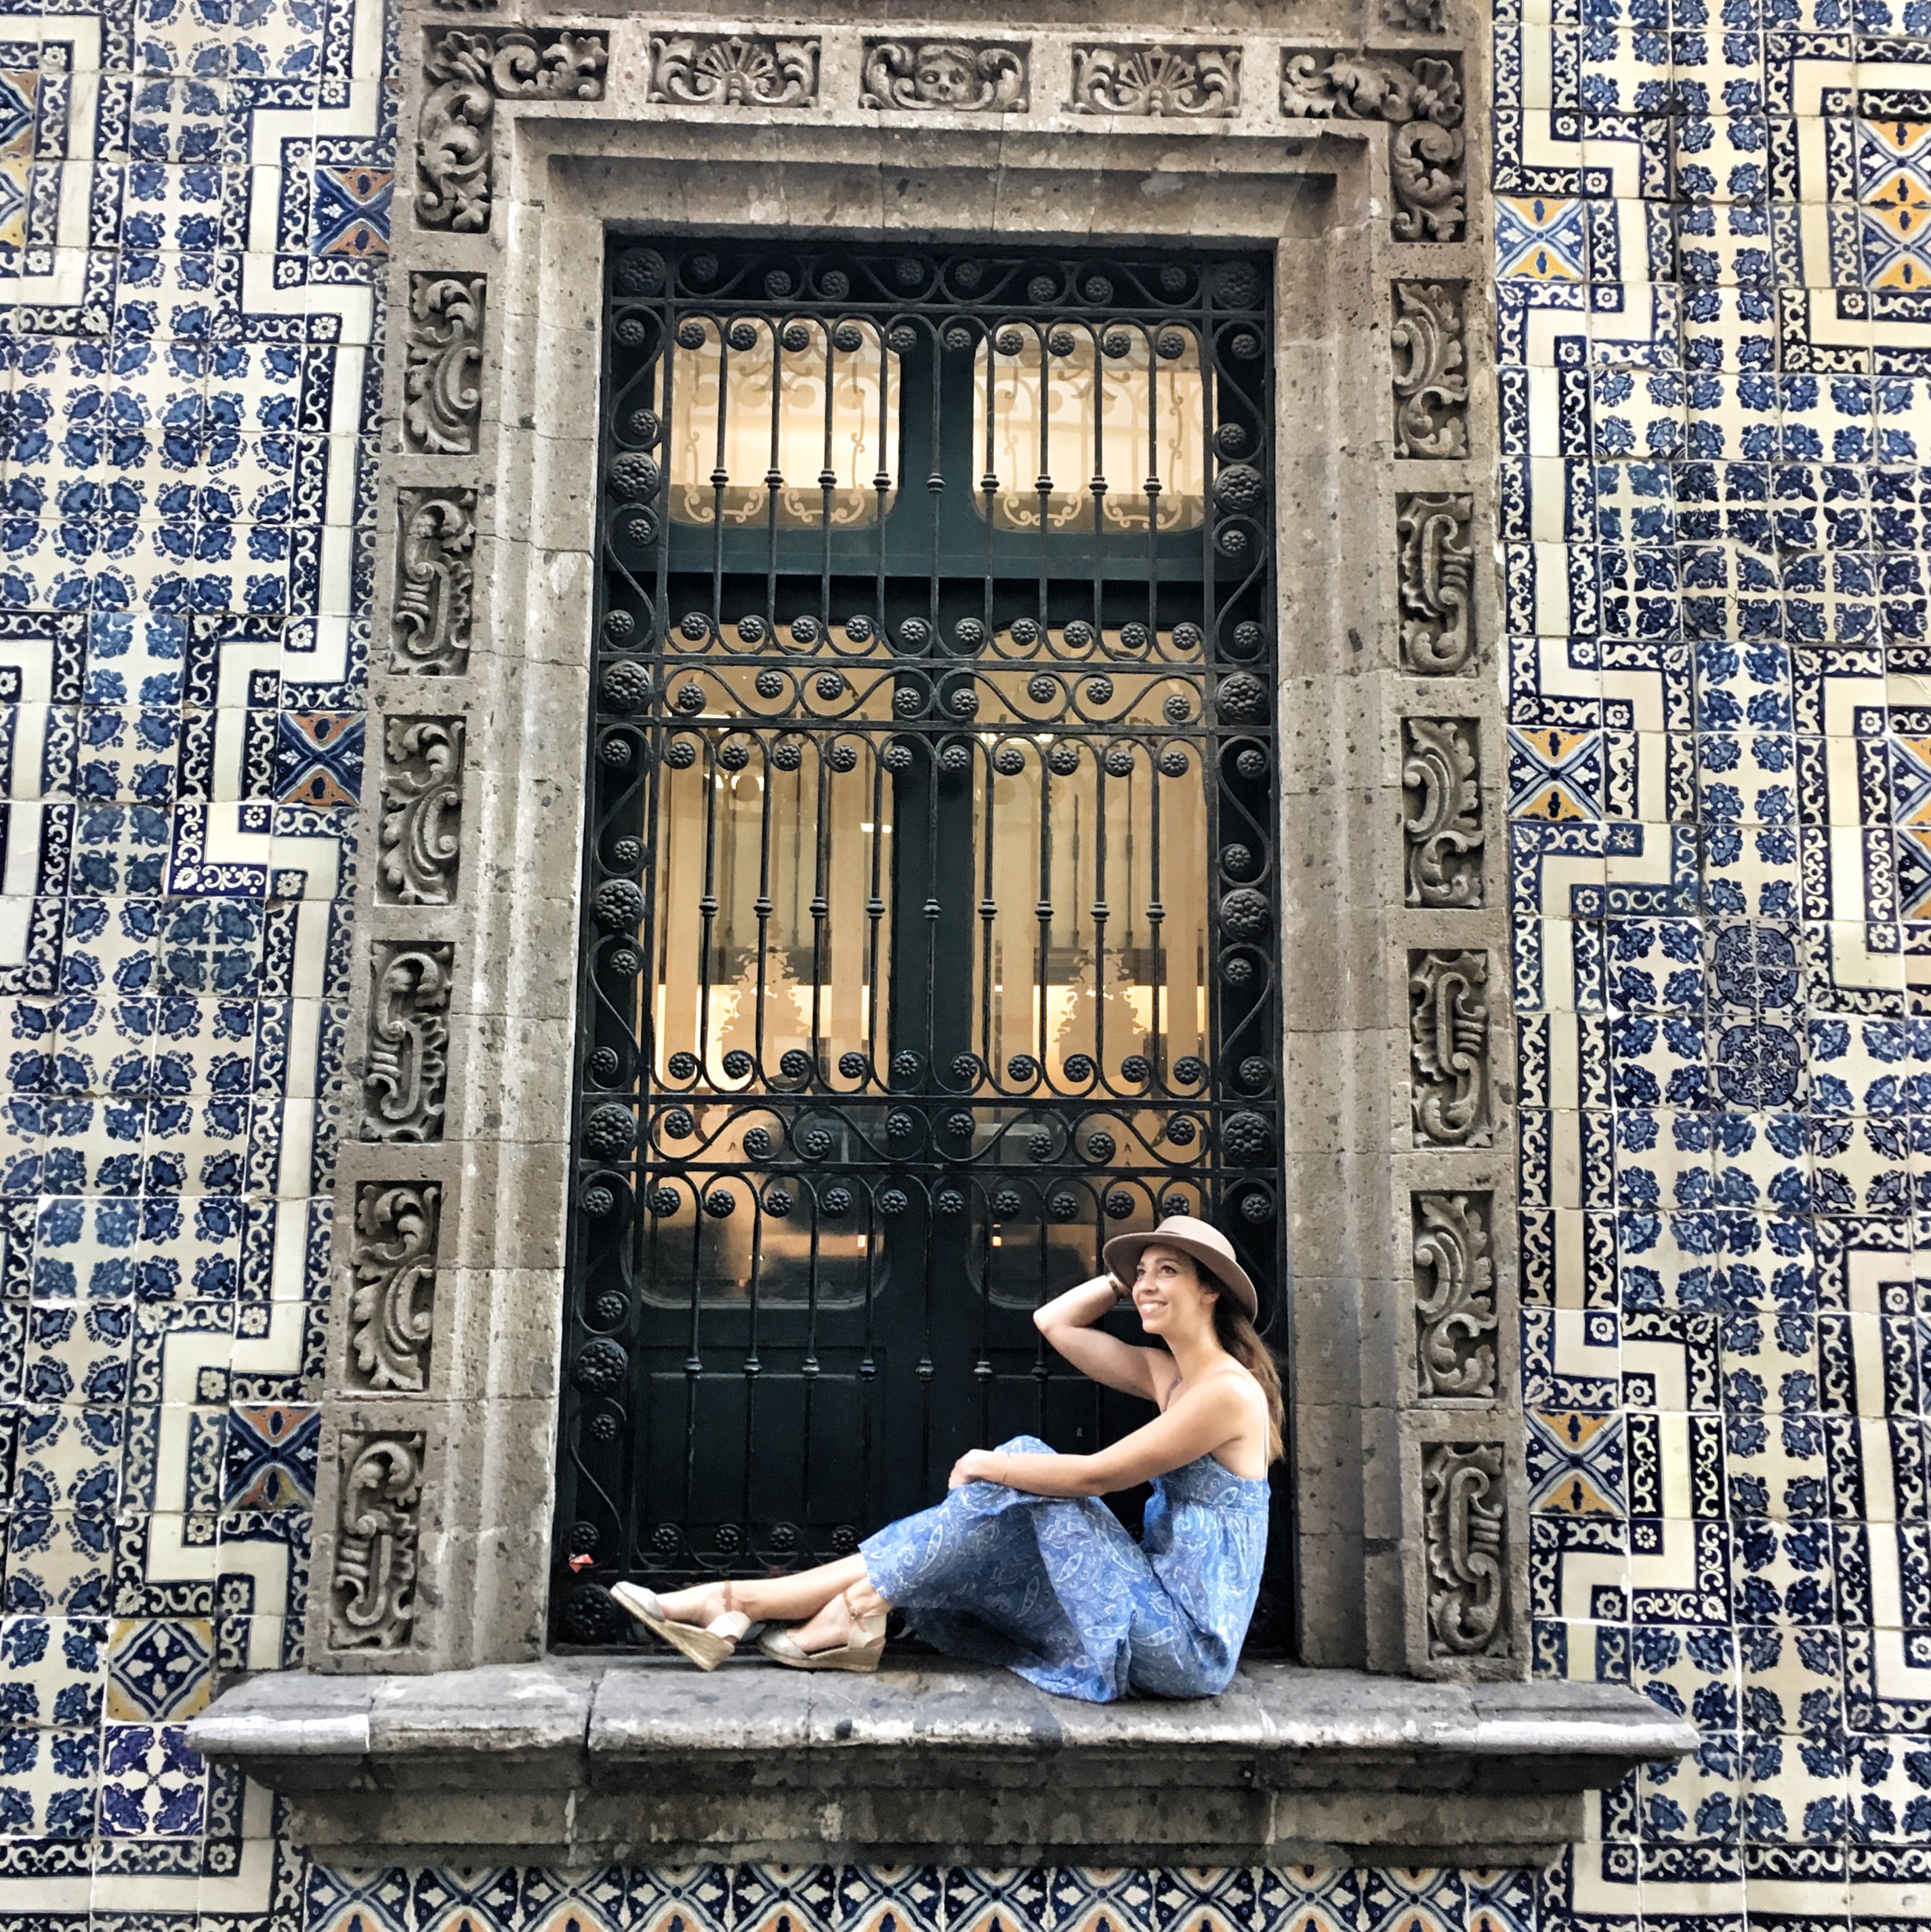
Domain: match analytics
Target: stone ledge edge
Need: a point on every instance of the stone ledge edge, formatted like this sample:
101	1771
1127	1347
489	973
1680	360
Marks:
607	1712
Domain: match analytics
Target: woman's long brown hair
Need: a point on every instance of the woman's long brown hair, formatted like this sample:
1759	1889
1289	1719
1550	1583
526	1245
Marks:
1242	1339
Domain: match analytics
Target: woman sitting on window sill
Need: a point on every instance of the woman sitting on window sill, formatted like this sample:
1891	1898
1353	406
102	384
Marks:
1021	1565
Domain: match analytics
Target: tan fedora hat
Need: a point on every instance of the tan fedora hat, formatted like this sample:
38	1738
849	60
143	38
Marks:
1202	1240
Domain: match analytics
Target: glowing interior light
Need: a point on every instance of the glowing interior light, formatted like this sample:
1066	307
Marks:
752	405
1140	381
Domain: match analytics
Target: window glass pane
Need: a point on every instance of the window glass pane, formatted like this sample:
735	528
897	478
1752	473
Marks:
775	939
833	410
1040	434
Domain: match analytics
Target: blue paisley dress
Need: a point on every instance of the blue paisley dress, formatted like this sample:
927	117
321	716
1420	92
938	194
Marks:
1055	1588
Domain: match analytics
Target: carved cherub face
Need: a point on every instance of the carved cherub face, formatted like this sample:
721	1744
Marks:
945	75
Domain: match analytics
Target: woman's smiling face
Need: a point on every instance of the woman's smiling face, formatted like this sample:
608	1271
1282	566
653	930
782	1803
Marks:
1166	1285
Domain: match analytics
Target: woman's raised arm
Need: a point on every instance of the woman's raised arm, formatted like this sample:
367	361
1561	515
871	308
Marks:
1067	1321
1200	1421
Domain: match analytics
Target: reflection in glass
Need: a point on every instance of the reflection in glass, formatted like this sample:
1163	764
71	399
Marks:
1039	434
790	426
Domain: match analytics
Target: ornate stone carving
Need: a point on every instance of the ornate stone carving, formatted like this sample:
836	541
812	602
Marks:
1412	16
733	71
471	71
429	627
1420	99
443	351
1437	574
1454	1316
1431	371
391	1309
375	1553
1440	787
421	811
1199	82
1465	1513
407	1068
1447	1003
960	77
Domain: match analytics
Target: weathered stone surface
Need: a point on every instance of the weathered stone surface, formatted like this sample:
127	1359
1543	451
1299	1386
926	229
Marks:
573	1760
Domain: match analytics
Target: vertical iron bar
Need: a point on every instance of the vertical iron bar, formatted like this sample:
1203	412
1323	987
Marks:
827	481
720	477
1155	913
754	1367
820	911
774	482
1152	483
1045	484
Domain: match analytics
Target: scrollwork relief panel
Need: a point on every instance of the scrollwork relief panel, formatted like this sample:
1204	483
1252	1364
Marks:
733	71
442	339
435	573
1195	83
391	1305
1455	1297
1420	99
469	71
1437	571
1465	1517
405	1071
1431	371
1448	1006
955	77
1441	789
372	1589
421	811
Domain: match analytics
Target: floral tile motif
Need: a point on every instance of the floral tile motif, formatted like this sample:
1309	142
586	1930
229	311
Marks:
271	1450
152	1785
159	1667
1893	161
318	758
1540	239
1576	1464
52	1669
19	88
47	1783
351	211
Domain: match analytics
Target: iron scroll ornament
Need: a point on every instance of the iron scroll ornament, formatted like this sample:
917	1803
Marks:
970	720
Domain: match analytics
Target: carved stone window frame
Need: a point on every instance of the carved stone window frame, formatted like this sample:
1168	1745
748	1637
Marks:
535	138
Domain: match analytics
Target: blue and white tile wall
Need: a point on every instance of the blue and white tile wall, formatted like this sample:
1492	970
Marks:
1714	285
194	211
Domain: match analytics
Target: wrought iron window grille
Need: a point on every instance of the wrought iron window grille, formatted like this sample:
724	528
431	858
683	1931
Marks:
929	905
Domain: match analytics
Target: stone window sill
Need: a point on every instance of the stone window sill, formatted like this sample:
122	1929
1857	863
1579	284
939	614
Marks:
581	1760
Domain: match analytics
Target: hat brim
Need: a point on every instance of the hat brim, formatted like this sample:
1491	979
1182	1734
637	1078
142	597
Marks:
1121	1256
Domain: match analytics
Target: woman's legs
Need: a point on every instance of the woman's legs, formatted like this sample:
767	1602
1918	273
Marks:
784	1600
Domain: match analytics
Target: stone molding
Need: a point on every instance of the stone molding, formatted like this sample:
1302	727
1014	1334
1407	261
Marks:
469	71
534	141
1420	99
589	1761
